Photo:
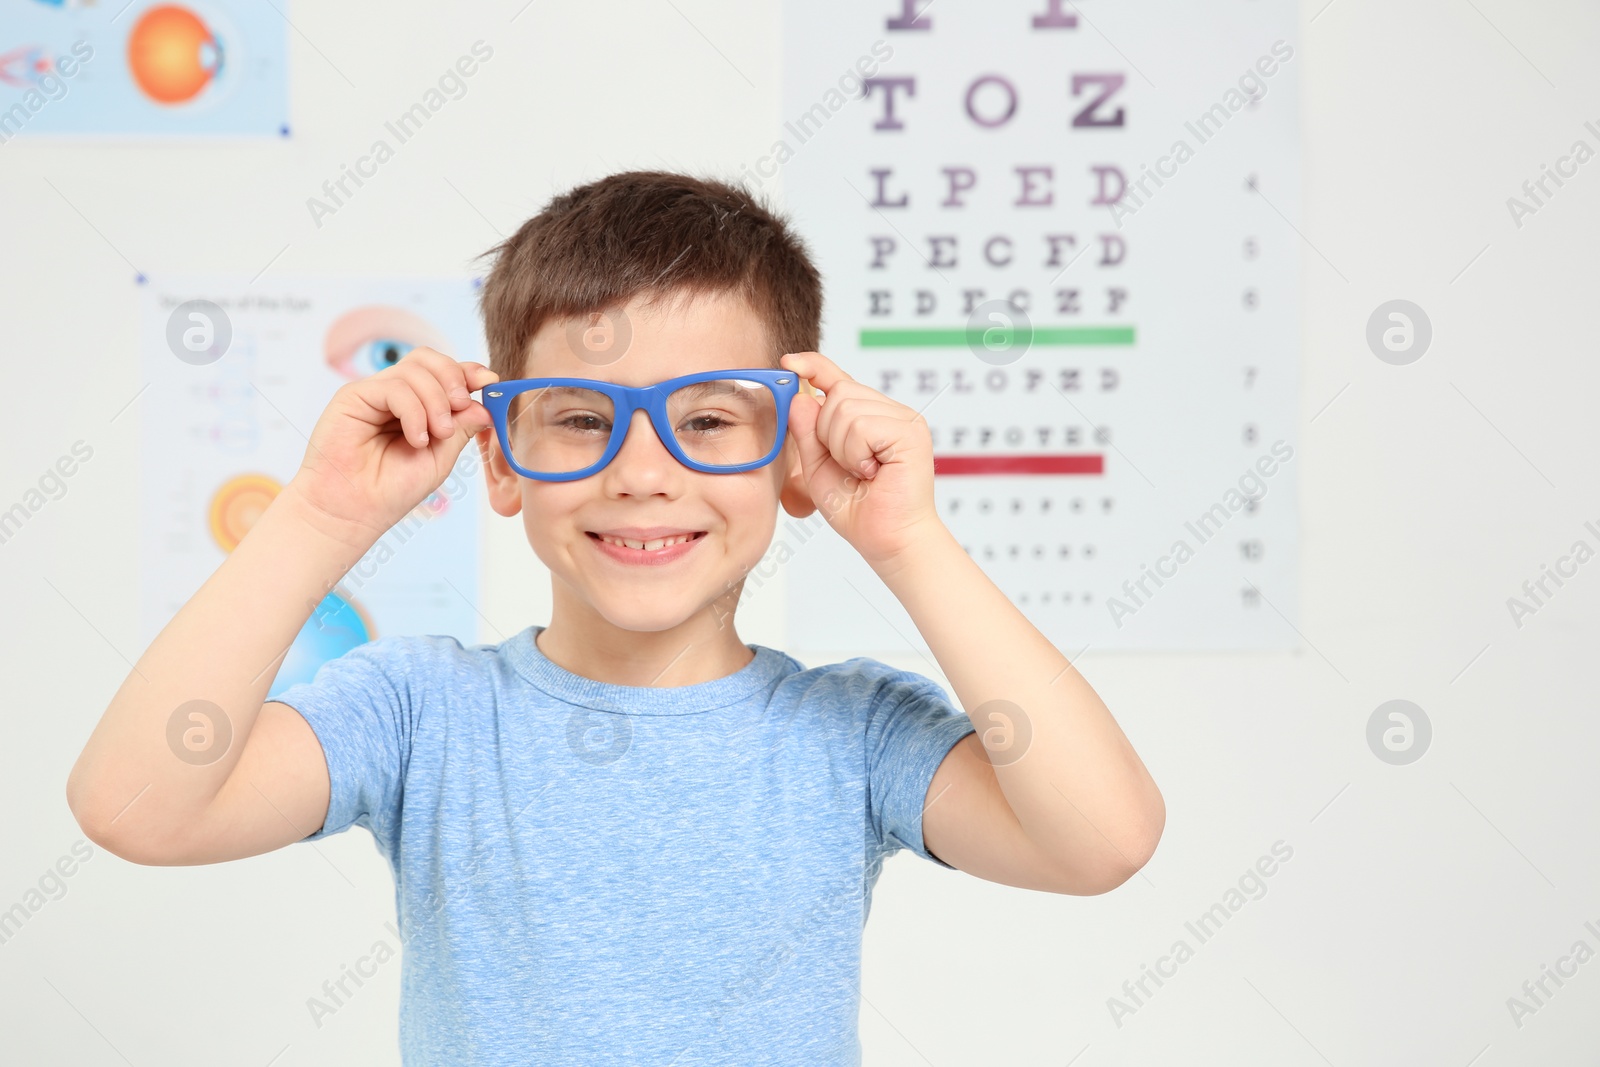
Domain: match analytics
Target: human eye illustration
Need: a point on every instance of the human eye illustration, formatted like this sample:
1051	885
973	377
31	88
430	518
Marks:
378	354
366	340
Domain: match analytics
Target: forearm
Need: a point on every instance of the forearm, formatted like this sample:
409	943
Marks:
224	647
1079	790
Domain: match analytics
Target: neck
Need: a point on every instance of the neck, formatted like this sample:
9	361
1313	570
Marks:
701	648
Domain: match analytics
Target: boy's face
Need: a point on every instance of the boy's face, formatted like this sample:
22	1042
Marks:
645	493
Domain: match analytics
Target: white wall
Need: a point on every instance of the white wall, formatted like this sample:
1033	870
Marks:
1415	903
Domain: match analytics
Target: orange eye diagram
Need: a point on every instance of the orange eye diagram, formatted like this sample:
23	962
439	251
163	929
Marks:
366	340
173	54
237	505
196	68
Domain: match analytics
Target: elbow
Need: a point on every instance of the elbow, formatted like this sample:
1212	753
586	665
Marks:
1132	852
1114	873
1155	824
97	830
95	820
1152	823
87	809
83	813
124	847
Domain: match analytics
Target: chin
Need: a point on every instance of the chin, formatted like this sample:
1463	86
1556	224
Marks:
630	614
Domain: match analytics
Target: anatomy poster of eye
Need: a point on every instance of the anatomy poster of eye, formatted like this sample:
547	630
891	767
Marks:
187	67
1068	238
239	372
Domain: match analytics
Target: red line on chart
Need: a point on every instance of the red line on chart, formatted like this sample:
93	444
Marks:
1087	464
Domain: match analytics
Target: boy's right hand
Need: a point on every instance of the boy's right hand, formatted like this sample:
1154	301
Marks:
386	441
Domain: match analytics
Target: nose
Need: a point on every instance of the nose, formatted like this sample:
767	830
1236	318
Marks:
642	466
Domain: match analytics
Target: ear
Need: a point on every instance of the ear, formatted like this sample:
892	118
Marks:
794	495
505	489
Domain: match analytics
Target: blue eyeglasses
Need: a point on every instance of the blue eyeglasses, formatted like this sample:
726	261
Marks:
717	422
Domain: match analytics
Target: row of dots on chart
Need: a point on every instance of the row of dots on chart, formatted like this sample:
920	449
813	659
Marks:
1077	505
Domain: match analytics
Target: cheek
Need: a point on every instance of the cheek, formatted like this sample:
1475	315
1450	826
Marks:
547	508
750	512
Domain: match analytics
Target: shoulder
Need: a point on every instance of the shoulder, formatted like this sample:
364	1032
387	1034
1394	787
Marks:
416	659
862	685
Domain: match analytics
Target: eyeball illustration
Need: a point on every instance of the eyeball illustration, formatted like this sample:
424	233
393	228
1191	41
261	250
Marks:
369	339
236	505
172	54
334	628
24	66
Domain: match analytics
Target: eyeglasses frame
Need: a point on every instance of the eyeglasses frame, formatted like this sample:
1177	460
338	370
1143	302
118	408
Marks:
652	399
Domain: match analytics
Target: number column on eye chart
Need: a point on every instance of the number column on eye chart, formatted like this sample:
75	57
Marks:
1262	371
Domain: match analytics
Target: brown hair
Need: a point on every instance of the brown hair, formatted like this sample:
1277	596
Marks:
656	233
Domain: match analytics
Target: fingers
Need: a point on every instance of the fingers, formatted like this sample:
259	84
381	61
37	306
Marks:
403	403
864	443
461	378
471	414
821	371
823	477
440	387
417	392
431	391
860	439
840	413
824	374
856	425
803	412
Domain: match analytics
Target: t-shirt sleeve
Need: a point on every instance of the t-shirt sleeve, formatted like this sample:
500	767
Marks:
912	726
360	706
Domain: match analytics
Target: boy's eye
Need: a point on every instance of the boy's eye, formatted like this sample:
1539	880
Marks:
707	422
583	421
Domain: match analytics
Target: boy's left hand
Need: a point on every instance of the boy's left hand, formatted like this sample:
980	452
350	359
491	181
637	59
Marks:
867	460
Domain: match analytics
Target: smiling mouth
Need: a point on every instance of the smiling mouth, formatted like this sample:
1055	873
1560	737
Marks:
647	546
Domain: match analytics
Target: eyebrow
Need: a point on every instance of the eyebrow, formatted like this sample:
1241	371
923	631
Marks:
566	390
739	387
718	387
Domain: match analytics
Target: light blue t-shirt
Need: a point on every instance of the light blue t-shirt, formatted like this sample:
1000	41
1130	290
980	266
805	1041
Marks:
594	874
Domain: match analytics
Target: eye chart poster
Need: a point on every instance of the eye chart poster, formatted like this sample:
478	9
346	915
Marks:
238	374
1065	233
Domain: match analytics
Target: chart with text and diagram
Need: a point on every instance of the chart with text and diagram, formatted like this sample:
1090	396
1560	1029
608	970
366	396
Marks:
238	374
1068	238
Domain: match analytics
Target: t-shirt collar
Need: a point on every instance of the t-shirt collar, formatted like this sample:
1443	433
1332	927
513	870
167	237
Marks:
754	677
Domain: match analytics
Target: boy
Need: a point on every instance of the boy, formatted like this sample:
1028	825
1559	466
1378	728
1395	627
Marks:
627	837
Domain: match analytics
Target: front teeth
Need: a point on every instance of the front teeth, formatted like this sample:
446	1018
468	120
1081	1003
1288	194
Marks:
648	546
